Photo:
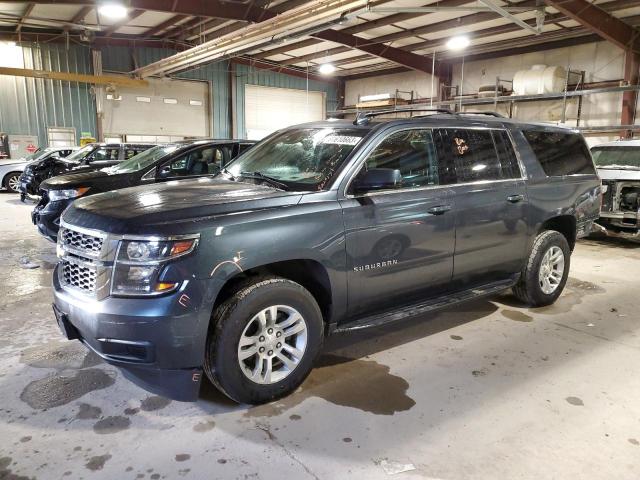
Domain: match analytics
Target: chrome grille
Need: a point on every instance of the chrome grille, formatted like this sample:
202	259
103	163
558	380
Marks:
89	244
79	276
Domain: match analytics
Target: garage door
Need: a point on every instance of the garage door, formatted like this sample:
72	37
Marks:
175	108
268	109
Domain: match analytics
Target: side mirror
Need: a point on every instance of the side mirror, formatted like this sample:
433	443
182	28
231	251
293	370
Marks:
377	179
164	171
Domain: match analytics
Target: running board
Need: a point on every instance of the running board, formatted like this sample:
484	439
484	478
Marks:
412	310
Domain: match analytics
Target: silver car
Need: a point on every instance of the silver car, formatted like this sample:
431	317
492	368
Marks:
11	169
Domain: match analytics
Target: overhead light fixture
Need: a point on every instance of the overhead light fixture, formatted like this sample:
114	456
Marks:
327	69
458	43
114	11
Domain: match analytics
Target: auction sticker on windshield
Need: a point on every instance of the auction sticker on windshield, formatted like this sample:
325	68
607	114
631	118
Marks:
341	139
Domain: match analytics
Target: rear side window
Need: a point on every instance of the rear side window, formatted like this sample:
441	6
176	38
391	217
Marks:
508	161
474	155
560	153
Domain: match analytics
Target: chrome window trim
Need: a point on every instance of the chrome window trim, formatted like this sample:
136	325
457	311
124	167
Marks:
429	187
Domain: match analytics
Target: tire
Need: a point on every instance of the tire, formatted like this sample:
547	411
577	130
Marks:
12	182
530	288
238	318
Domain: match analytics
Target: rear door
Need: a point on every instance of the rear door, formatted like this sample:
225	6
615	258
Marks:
491	204
399	242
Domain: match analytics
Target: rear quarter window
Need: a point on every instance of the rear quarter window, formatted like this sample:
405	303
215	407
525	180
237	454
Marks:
560	153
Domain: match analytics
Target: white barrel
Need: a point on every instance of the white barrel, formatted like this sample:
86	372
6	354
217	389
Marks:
539	79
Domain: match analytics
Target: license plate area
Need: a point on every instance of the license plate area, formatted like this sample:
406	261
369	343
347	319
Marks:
67	329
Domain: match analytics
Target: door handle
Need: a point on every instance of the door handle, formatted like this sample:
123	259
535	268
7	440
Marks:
439	210
515	198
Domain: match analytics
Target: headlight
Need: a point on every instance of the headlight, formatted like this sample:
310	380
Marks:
139	264
66	194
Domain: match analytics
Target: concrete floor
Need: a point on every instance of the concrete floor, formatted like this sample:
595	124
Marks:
488	390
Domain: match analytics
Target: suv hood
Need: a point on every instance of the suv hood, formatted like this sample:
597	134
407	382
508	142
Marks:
162	206
73	180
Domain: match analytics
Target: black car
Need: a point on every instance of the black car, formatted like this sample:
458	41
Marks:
323	227
157	164
90	157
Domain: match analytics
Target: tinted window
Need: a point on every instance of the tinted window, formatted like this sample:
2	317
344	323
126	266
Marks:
106	154
474	155
509	167
560	153
243	147
412	152
202	161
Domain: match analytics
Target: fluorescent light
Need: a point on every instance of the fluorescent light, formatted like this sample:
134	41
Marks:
326	69
458	43
114	11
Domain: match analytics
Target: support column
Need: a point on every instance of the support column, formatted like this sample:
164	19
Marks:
630	99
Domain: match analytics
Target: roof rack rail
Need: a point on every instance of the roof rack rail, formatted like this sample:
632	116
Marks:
362	118
490	113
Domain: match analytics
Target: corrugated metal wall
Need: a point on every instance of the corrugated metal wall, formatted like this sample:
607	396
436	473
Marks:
29	105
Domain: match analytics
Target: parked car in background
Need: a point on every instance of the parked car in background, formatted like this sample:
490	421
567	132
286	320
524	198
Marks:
90	157
243	275
11	169
618	165
158	164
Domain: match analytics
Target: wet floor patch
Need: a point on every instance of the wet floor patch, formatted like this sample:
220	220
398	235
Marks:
517	316
87	412
97	462
110	425
204	426
455	337
575	401
155	402
575	290
362	384
182	457
57	389
60	356
6	472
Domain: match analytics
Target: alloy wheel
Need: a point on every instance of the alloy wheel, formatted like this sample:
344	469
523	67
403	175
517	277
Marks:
551	270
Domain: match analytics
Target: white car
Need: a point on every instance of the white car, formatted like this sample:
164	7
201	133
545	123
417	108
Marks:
11	169
618	165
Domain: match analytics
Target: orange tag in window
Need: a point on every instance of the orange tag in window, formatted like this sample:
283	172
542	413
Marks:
461	145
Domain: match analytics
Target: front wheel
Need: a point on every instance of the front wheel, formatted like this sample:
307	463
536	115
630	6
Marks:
264	341
12	182
546	272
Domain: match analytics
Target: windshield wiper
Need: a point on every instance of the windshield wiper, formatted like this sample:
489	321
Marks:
265	178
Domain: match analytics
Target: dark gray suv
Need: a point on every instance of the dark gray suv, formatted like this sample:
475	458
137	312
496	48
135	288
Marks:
321	227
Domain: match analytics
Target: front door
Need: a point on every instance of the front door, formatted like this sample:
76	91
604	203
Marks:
491	204
400	241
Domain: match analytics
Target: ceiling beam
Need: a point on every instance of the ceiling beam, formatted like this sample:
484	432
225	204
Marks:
261	65
164	25
362	27
82	13
27	12
107	32
401	57
120	80
599	22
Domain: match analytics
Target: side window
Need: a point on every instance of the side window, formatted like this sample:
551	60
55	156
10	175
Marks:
243	147
105	154
412	153
506	155
474	155
130	152
560	153
202	161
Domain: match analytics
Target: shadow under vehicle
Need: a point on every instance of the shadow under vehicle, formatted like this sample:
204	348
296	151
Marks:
323	227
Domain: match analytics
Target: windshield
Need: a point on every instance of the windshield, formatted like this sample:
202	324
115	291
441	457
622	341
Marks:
618	156
144	159
80	154
302	159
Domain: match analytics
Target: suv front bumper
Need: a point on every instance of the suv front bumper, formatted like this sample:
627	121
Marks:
157	342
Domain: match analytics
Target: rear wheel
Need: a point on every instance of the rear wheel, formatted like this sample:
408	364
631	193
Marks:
264	341
546	272
12	182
